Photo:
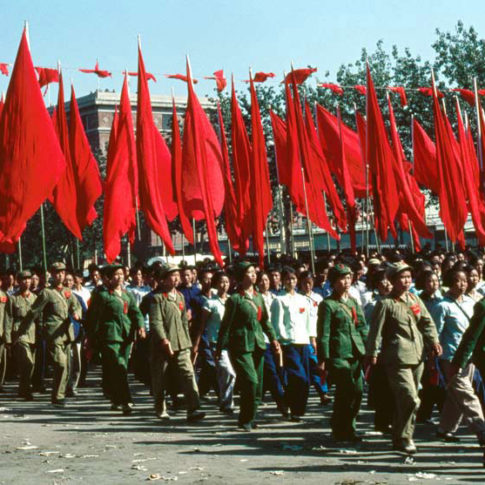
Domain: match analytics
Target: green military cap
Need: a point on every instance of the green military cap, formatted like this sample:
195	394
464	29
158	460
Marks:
109	269
374	262
399	267
165	270
338	271
59	266
22	275
240	269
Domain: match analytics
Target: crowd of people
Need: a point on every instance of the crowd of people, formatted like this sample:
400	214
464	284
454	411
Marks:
401	325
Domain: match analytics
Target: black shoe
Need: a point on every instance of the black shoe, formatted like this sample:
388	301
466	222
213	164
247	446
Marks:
227	411
405	447
59	403
325	400
27	396
71	393
447	436
194	416
254	425
295	418
245	427
127	409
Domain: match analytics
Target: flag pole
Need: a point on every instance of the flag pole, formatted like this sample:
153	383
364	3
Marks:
267	242
128	251
479	133
19	242
42	231
195	241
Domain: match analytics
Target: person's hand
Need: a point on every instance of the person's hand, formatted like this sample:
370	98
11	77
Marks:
321	369
436	349
189	315
142	333
370	360
76	317
166	347
313	342
275	345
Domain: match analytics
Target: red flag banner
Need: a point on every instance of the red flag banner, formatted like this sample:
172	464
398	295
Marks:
360	89
4	68
149	75
402	93
31	160
429	92
335	88
220	80
299	76
261	77
99	72
47	75
425	161
467	95
180	77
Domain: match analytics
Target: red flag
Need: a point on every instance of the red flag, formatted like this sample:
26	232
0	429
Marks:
299	76
152	160
467	95
329	130
221	81
200	154
99	72
261	77
88	179
402	93
230	206
65	195
360	89
469	177
425	162
177	175
240	155
335	88
453	209
121	188
429	92
148	75
260	188
47	76
2	102
4	68
31	160
380	159
180	77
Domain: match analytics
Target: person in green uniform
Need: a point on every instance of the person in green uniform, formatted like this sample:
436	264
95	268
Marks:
401	329
171	344
20	332
341	333
241	333
53	307
3	346
112	320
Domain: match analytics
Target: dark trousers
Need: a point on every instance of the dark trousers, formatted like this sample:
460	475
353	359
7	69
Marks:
206	366
40	362
378	397
249	376
296	359
114	359
346	375
273	377
315	378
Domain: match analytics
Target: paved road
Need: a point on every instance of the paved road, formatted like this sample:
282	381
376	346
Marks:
88	443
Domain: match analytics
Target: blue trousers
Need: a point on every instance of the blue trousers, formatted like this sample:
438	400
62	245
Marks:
272	377
315	378
296	359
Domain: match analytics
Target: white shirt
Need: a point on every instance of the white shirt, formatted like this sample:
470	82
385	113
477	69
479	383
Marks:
83	293
290	315
314	300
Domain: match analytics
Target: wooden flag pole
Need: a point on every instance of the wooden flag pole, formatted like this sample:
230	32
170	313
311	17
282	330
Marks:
479	130
195	241
42	231
267	242
21	265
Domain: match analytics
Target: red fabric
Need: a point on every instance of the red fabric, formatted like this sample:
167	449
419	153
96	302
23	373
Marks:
148	75
151	161
429	92
65	195
425	162
2	102
88	180
99	72
380	157
402	93
411	201
299	76
4	68
261	77
230	207
199	154
481	92
177	176
333	87
453	209
241	150
279	137
467	95
360	89
221	81
329	134
120	188
481	140
321	165
472	189
47	76
180	77
260	189
31	160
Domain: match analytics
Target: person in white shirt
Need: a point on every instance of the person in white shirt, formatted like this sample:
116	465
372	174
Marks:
290	313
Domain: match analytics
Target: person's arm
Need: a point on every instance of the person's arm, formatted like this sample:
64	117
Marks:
204	317
136	316
74	306
268	327
374	337
361	326
427	326
324	325
226	324
277	318
8	321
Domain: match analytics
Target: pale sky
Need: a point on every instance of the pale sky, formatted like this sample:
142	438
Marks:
227	34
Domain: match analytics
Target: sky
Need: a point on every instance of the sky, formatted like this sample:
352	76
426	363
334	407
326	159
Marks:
233	35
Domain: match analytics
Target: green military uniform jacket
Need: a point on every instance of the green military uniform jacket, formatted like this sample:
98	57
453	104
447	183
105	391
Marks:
399	330
3	305
53	307
18	327
112	317
168	320
341	329
245	319
472	345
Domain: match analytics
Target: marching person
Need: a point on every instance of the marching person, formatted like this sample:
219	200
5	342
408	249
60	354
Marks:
170	344
290	313
400	330
20	333
341	333
113	318
53	307
241	333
